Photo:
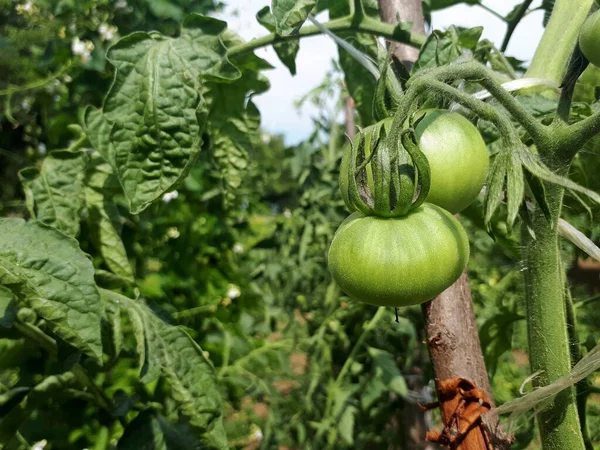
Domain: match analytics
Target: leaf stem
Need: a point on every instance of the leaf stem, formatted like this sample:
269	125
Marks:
512	24
38	83
364	24
492	12
48	344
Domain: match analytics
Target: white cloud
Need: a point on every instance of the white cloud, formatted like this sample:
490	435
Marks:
279	115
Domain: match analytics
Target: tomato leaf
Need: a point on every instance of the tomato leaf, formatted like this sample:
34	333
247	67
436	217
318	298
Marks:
54	193
98	129
234	119
495	186
496	337
156	107
515	188
170	352
534	165
289	15
48	273
444	47
104	220
143	432
286	51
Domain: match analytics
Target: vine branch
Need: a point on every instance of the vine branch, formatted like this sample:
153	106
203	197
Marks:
354	22
512	23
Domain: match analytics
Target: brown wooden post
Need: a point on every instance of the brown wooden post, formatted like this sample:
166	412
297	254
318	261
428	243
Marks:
462	383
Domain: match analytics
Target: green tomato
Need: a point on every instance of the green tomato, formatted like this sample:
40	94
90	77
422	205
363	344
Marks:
458	159
398	261
589	38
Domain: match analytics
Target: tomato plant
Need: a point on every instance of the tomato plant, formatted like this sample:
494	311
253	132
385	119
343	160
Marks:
458	159
398	261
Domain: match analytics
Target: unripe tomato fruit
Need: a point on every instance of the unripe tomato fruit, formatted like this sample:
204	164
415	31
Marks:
589	38
398	261
458	159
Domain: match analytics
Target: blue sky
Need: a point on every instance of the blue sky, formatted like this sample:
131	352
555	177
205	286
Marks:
280	115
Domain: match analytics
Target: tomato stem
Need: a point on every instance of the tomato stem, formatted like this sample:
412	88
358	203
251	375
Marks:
354	22
559	39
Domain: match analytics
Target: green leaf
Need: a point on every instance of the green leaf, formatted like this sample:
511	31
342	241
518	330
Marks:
113	325
536	186
496	337
495	185
346	424
41	394
286	51
143	433
54	192
98	129
104	220
166	9
155	104
8	310
234	120
534	165
444	47
48	273
435	5
360	82
171	353
515	188
291	14
387	371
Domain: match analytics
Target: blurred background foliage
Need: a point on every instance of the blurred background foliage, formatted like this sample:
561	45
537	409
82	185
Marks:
300	365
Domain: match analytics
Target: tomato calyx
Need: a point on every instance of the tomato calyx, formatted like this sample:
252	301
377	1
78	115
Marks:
384	176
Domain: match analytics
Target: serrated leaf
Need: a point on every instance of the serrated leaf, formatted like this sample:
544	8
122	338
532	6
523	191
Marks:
48	273
170	351
143	433
55	191
534	165
495	185
444	47
286	51
155	104
234	120
515	188
291	14
104	219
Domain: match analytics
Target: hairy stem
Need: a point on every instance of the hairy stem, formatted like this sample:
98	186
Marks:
473	71
363	25
549	350
552	54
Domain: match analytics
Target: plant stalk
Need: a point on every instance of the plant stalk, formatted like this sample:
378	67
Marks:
547	325
364	25
558	41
